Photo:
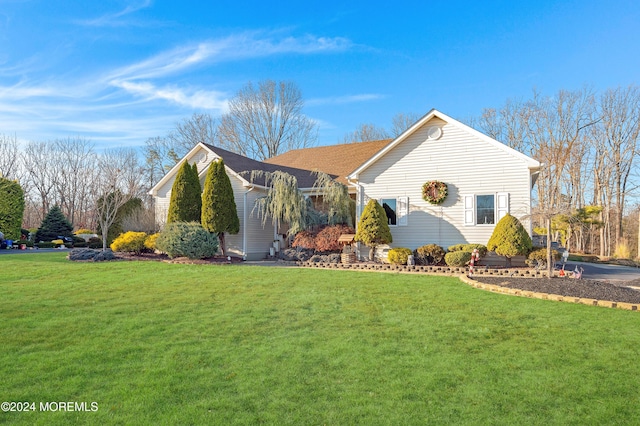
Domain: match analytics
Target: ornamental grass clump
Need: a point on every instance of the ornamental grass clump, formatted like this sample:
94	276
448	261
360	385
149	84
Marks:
187	239
399	255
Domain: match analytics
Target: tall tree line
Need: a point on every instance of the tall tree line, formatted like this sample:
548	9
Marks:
589	145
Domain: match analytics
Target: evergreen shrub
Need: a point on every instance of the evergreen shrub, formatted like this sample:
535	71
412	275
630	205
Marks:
131	242
95	242
430	254
539	256
399	255
188	239
457	258
509	239
150	241
11	208
482	249
53	225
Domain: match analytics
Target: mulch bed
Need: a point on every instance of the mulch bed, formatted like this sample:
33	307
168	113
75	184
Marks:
164	258
583	288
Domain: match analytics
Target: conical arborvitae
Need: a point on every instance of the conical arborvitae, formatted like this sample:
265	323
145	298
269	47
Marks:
11	208
186	200
219	212
373	227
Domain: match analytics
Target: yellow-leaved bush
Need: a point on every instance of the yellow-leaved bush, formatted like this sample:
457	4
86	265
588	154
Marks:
399	255
132	242
150	241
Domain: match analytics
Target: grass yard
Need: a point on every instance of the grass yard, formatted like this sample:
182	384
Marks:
155	343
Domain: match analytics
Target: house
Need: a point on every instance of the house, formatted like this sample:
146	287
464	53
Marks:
485	180
253	241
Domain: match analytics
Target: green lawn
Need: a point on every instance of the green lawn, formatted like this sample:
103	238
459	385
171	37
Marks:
155	343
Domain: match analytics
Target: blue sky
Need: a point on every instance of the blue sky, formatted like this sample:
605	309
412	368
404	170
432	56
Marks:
119	72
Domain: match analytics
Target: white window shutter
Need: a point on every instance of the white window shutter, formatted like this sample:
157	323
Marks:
469	210
502	204
403	211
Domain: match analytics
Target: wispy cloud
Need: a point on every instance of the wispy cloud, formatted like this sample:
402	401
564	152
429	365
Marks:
348	99
115	19
199	99
236	47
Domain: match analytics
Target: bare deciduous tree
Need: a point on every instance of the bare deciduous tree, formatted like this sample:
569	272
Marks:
9	156
366	132
117	183
401	122
266	120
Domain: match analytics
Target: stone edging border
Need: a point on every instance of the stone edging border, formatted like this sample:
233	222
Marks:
545	296
462	275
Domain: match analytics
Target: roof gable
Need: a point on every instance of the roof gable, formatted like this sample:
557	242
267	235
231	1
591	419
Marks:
530	162
239	165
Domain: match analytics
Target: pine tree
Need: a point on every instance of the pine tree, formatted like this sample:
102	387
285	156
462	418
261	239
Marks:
186	201
373	228
219	212
54	225
11	208
510	239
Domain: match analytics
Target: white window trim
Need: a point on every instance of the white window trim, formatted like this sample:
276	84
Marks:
500	208
402	210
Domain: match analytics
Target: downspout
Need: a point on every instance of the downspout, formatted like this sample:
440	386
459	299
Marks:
244	223
359	202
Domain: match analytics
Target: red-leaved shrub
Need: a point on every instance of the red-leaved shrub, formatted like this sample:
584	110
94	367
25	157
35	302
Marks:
327	238
304	239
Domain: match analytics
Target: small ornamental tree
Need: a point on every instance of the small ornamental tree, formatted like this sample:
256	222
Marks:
219	212
373	229
186	199
510	239
53	225
11	208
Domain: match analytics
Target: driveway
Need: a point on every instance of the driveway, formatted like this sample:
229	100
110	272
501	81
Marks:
602	271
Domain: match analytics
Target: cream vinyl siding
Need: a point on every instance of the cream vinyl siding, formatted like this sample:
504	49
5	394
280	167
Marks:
258	239
467	164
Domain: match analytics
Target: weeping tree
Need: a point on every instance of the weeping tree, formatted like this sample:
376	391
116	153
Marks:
186	200
284	202
219	212
336	201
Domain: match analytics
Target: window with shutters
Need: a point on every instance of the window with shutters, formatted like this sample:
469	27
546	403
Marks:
397	210
485	209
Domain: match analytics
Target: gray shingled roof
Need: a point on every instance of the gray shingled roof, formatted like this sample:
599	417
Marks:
244	166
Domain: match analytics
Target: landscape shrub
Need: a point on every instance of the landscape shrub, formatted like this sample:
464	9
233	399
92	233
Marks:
509	239
150	241
95	242
188	239
430	254
482	249
44	244
304	240
81	245
539	256
131	242
77	240
399	255
57	243
53	225
327	238
457	258
83	231
11	208
25	242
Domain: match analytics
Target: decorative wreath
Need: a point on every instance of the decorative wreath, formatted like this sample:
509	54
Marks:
435	192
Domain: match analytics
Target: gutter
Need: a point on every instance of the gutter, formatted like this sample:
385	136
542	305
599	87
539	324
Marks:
244	223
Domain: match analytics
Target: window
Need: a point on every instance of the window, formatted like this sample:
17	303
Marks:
485	209
397	210
389	206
